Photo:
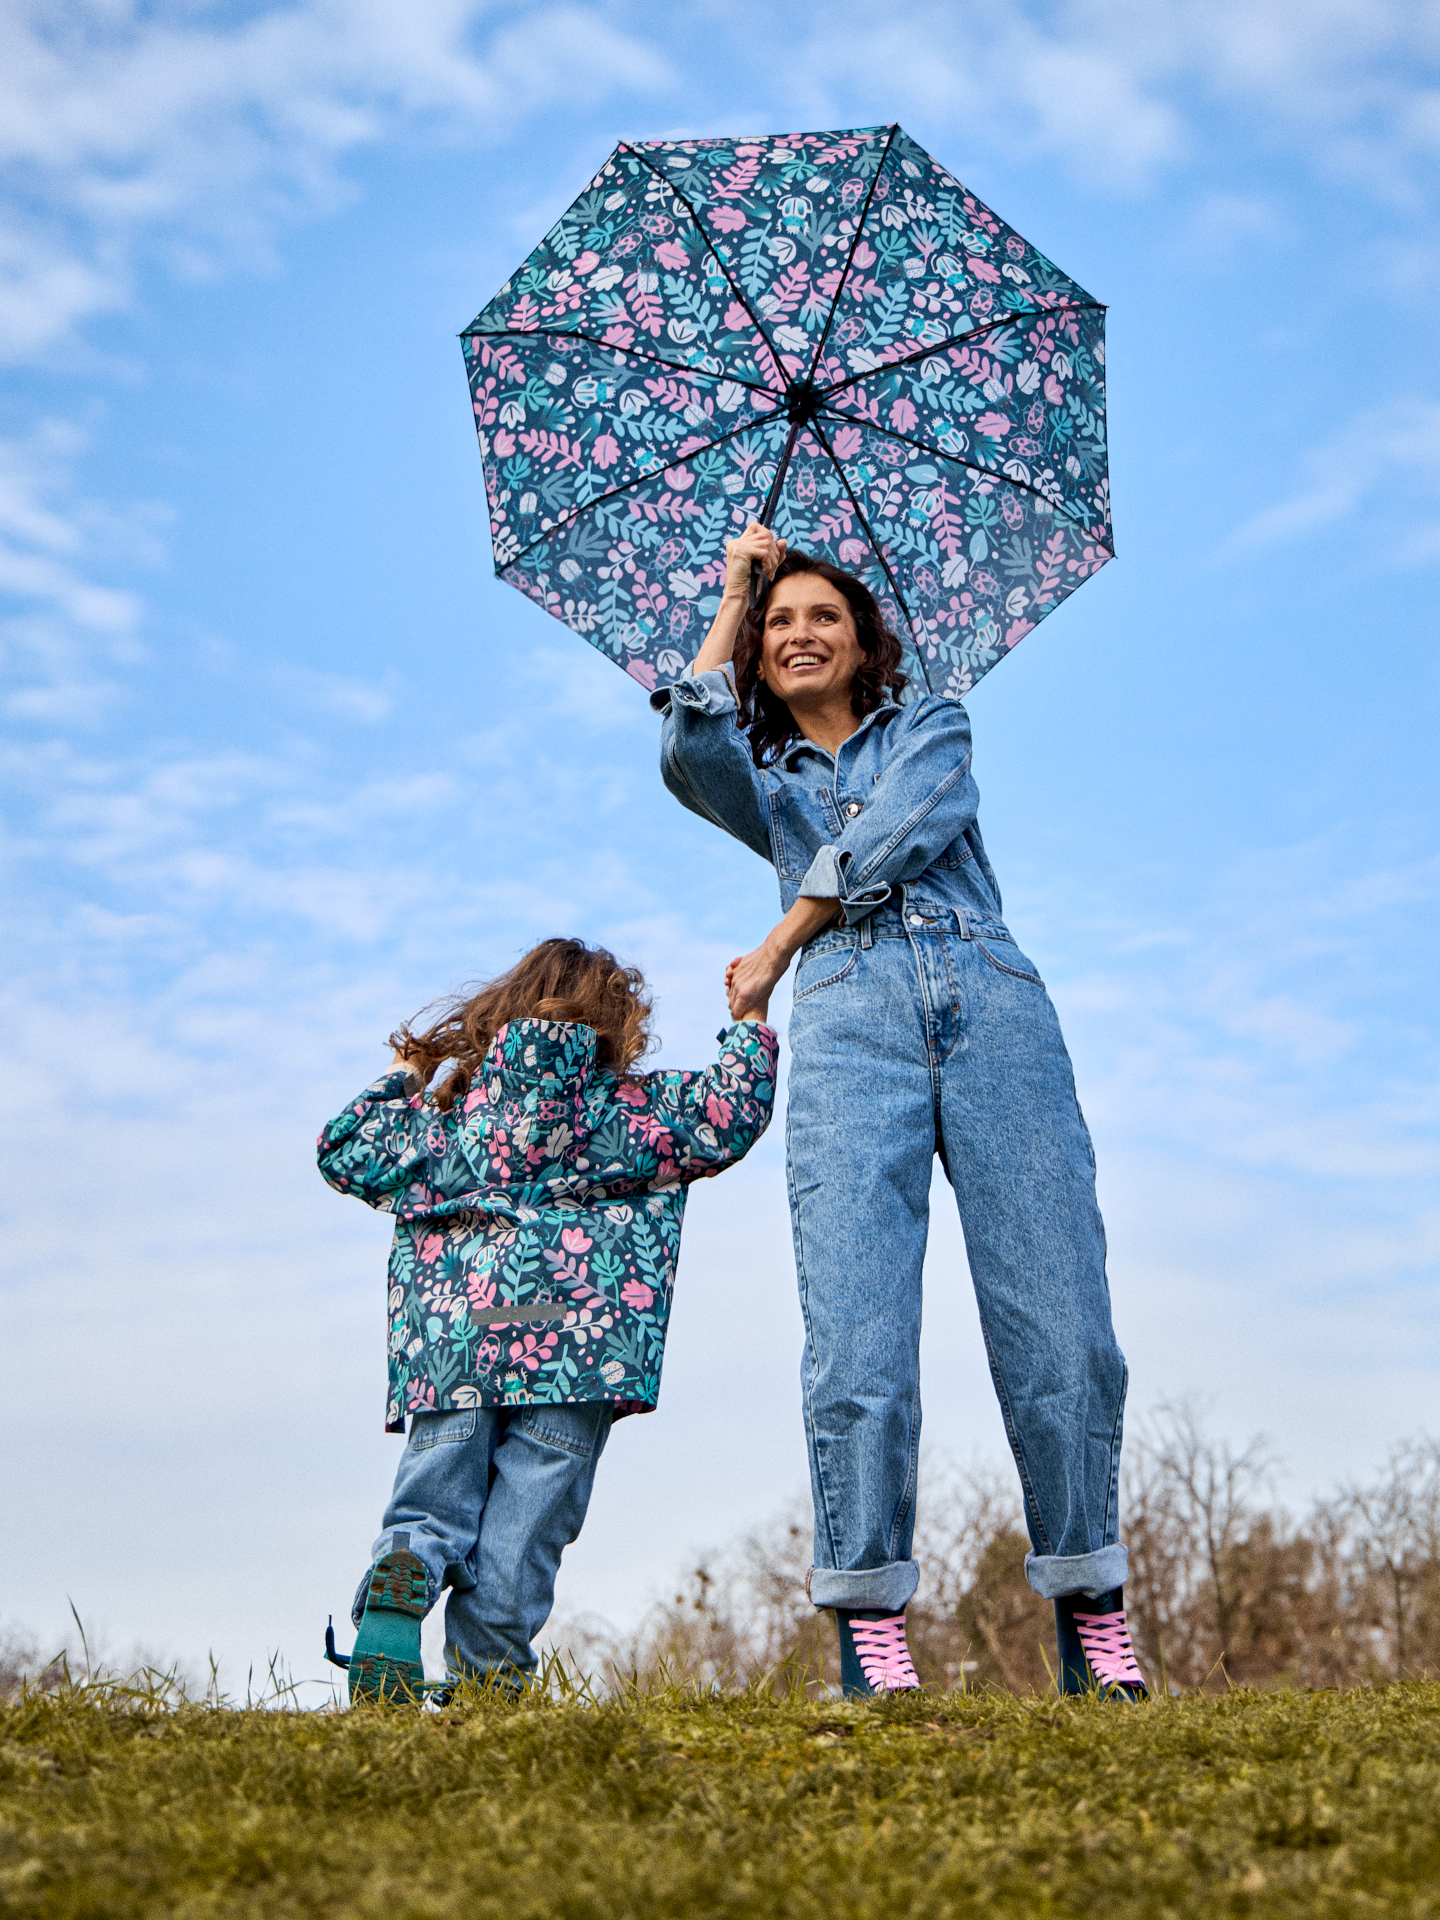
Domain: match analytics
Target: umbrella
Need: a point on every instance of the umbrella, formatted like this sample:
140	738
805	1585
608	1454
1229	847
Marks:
824	331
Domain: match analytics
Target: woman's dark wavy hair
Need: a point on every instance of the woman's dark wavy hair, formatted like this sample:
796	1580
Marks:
764	717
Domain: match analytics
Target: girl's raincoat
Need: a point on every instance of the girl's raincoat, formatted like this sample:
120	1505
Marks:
537	1223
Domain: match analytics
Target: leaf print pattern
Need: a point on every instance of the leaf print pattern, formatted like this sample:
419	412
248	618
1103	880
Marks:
538	1222
705	305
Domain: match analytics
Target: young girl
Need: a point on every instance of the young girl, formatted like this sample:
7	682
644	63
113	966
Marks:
538	1193
919	1027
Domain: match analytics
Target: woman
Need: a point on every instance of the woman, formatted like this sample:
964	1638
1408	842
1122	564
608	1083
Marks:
918	1027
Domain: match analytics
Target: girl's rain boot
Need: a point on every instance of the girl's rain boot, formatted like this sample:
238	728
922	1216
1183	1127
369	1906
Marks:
385	1660
1096	1654
874	1656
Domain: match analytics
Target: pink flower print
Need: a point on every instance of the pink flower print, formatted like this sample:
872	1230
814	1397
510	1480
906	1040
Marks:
737	320
727	220
650	1127
481	1293
853	553
718	1110
671	255
422	1397
431	1248
983	270
631	1096
1054	392
848	442
530	1351
636	1294
576	1240
642	671
606	450
994	425
679	478
504	443
587	262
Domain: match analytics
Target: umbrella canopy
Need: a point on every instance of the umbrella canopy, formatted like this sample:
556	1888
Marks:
824	331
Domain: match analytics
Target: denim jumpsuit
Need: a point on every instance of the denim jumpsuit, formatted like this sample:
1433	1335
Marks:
919	1027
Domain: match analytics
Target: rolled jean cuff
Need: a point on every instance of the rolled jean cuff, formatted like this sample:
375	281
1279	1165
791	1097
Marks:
884	1589
712	692
1054	1574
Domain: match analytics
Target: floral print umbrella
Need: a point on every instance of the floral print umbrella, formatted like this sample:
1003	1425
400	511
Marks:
824	331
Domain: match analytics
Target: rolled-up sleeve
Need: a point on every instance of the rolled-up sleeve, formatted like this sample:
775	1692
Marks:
704	760
921	804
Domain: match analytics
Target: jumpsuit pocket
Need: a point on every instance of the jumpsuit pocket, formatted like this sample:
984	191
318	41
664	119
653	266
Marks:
441	1429
1007	958
823	969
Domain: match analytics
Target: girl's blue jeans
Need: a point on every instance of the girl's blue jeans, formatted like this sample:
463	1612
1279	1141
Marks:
488	1498
919	1032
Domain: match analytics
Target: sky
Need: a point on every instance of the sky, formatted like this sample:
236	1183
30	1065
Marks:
282	761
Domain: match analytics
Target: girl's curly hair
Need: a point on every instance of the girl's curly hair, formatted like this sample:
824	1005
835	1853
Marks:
558	980
764	717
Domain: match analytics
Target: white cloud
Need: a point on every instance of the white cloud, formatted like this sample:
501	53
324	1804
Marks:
1115	90
1396	447
128	132
70	629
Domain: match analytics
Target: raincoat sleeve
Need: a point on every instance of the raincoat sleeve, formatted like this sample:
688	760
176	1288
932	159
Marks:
921	804
704	760
697	1124
384	1147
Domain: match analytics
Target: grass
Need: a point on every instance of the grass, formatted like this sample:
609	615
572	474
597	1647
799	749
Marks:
679	1804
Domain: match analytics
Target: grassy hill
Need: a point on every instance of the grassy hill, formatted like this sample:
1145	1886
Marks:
676	1804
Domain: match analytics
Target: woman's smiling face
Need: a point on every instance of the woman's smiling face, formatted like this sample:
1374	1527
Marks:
810	652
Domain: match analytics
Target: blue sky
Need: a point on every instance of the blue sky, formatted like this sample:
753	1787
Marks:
283	761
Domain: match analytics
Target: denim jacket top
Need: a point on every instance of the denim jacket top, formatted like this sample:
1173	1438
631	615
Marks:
893	809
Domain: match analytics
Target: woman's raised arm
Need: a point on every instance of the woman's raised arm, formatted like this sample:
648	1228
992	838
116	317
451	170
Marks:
756	543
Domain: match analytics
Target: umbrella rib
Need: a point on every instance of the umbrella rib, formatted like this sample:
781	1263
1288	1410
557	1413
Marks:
747	426
564	333
958	339
854	243
704	231
973	466
819	433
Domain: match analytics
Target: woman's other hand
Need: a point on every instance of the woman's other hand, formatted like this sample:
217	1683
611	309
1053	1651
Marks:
756	543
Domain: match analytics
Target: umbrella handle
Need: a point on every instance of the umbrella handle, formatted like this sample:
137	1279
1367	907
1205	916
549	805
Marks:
757	572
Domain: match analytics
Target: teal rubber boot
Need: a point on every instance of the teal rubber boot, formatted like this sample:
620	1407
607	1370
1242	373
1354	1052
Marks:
385	1662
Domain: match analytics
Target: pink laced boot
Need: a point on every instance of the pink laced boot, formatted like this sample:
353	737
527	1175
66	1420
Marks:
874	1656
1106	1640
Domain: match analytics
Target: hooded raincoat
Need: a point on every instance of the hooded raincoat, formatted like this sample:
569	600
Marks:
537	1223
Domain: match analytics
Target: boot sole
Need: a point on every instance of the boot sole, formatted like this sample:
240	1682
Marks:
386	1662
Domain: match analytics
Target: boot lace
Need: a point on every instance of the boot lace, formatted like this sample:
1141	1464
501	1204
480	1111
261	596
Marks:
1106	1640
884	1656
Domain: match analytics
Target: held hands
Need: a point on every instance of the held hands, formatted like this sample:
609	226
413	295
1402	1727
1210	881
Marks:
750	980
756	543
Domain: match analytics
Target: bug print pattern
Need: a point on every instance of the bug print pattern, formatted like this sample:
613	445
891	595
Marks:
537	1223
